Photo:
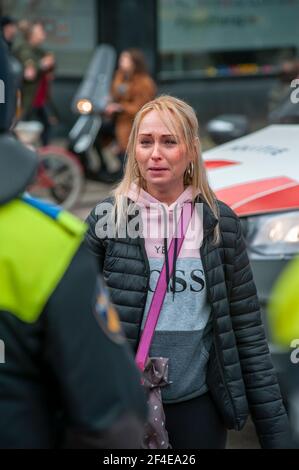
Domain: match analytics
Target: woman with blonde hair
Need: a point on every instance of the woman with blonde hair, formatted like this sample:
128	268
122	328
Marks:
209	326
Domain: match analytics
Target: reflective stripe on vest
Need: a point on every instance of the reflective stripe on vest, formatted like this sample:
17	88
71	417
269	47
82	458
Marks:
37	244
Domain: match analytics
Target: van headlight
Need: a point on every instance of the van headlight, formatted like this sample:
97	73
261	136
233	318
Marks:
276	234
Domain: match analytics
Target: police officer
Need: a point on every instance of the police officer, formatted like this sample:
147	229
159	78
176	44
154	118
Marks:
66	376
283	318
284	306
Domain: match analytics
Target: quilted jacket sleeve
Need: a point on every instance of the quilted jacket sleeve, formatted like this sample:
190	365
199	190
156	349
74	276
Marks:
94	243
262	389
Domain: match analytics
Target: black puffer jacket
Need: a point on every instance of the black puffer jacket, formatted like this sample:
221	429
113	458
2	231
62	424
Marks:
240	371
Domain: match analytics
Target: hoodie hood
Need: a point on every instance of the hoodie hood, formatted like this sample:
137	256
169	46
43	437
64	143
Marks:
140	196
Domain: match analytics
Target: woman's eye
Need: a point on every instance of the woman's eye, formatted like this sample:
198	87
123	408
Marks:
145	142
170	142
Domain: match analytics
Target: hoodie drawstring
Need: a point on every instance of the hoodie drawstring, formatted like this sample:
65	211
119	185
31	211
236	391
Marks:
166	260
173	276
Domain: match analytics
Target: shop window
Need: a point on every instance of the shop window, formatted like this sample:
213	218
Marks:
220	38
70	25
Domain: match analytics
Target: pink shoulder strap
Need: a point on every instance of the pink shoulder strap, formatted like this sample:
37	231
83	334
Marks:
160	291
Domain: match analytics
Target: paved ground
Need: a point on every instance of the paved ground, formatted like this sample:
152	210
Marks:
93	193
245	439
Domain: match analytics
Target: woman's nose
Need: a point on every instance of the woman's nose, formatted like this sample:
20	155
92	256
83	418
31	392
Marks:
156	152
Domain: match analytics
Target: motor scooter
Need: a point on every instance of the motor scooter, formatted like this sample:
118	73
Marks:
89	103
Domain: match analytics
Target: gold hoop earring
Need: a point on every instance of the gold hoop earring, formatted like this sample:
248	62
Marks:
190	170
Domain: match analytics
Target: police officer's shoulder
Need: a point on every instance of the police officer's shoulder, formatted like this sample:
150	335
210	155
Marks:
64	219
37	244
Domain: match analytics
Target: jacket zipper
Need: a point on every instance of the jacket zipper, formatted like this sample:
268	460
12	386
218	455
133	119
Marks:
216	330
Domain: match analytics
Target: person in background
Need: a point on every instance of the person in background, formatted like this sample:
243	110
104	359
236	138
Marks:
67	378
131	88
9	28
38	66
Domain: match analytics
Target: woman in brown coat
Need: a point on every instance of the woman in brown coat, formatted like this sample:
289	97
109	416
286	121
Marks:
132	87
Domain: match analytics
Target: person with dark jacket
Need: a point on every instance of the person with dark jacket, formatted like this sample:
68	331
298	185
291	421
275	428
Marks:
210	325
67	378
9	29
38	74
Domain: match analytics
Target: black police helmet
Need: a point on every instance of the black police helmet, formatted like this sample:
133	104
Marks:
18	164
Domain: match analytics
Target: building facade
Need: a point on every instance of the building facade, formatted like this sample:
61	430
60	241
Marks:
223	56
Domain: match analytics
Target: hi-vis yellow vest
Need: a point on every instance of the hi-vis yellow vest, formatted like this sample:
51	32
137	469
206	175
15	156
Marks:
284	306
37	244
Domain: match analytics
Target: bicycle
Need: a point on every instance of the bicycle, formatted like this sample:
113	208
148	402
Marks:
60	178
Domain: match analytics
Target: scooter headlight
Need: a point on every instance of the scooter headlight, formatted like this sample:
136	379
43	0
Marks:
84	106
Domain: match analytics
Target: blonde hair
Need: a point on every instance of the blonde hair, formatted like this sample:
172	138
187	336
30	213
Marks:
181	120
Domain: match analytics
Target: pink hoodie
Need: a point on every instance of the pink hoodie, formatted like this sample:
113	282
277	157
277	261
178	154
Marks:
156	219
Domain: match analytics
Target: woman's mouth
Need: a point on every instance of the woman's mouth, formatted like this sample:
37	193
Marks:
157	170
